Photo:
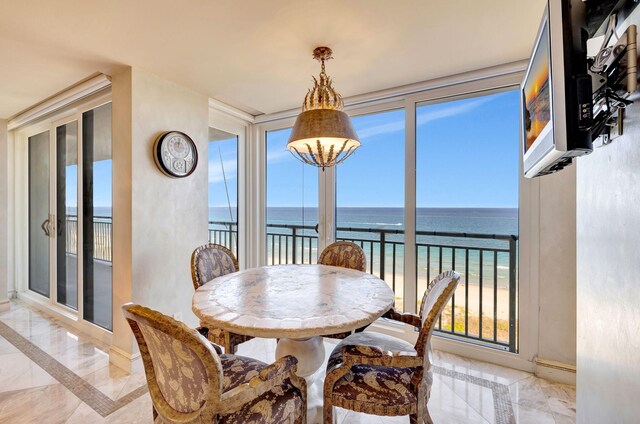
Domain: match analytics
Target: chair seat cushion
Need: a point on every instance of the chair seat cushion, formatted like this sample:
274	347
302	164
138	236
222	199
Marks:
373	384
238	370
275	406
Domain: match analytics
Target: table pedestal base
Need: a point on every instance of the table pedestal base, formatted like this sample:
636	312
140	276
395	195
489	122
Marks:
310	354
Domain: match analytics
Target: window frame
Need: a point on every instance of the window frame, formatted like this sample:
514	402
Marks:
453	88
220	120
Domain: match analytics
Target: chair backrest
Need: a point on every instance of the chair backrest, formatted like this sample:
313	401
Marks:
184	373
211	261
423	304
437	297
344	254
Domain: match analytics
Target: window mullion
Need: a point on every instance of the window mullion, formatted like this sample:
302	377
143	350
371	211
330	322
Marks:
410	276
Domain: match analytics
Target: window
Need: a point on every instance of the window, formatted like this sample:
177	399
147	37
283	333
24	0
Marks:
292	204
467	171
370	196
223	189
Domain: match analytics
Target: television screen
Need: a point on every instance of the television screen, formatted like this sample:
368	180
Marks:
556	92
537	102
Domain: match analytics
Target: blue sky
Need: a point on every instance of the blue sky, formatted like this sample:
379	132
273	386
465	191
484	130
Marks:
466	156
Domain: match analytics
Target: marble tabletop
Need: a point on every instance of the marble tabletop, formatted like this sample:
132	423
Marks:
293	301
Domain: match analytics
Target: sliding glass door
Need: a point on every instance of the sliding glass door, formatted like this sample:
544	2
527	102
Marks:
40	225
69	178
67	214
97	216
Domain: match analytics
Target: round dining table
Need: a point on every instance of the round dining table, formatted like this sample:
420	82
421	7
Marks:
296	304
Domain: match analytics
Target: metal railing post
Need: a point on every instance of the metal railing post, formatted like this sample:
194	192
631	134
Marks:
295	245
512	294
382	253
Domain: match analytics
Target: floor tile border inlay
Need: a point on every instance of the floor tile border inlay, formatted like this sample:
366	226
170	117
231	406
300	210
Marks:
501	399
84	391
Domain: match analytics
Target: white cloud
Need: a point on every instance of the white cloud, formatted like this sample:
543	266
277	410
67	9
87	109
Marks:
215	171
452	110
424	118
277	155
389	127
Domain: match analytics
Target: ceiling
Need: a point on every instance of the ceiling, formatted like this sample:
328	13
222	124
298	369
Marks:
255	54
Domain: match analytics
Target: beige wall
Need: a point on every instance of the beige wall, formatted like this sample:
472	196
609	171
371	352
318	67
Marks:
608	380
158	220
548	274
608	259
5	246
557	268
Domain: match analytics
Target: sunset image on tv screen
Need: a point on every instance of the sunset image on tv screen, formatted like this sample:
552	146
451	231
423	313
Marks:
536	92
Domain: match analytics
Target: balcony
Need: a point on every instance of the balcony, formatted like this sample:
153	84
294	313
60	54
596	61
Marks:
483	309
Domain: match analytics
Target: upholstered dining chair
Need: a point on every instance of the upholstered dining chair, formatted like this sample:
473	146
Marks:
190	383
208	262
344	254
382	375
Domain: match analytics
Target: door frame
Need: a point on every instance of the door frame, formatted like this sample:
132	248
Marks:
50	305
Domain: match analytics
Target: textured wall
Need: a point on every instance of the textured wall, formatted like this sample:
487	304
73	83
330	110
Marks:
557	285
608	223
608	262
158	220
169	215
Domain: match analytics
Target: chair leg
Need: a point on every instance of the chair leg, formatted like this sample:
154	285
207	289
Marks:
327	412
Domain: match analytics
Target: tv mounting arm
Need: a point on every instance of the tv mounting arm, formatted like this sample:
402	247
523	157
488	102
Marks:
613	72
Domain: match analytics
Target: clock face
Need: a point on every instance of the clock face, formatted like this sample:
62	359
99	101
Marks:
176	154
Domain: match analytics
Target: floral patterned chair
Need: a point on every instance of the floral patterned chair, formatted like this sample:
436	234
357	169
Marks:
208	262
382	375
190	383
344	254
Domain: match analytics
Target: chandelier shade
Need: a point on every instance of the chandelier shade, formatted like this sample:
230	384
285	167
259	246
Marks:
322	134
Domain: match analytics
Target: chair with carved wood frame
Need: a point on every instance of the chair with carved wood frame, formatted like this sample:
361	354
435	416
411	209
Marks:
344	254
382	375
208	262
190	383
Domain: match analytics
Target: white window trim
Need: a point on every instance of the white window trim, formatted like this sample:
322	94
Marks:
227	119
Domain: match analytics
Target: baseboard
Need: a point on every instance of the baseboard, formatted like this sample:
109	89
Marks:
5	305
122	359
555	371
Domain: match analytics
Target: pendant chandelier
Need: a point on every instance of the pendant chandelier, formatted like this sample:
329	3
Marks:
323	135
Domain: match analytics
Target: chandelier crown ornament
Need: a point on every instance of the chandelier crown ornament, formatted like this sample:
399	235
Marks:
322	134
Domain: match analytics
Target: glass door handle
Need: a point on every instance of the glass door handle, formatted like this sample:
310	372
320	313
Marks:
316	228
48	226
45	227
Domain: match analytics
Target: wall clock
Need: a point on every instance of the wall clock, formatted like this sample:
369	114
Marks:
175	154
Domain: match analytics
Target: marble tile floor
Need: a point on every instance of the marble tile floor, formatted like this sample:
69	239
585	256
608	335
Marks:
53	374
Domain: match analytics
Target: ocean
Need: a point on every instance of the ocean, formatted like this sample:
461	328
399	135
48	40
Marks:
433	252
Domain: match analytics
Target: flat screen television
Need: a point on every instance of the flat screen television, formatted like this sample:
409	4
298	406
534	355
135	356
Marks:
556	92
